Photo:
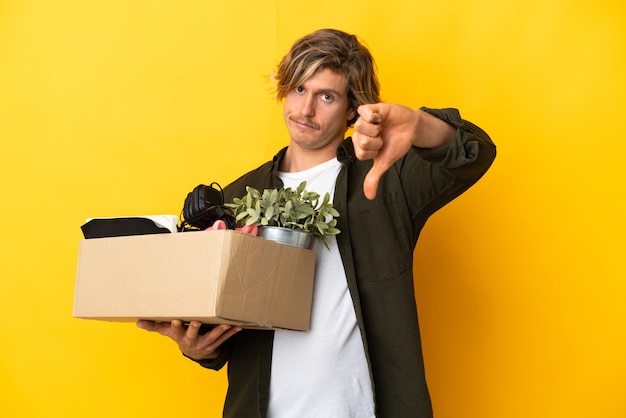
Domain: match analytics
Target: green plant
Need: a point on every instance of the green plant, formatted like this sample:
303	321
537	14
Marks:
290	208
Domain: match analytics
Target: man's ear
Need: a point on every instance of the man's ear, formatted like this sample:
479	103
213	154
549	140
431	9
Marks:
352	116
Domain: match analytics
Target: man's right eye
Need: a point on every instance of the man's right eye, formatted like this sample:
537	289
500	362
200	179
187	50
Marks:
299	89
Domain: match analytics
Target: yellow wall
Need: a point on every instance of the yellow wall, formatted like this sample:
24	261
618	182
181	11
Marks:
112	108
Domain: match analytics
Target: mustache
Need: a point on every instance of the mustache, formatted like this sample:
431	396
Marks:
304	121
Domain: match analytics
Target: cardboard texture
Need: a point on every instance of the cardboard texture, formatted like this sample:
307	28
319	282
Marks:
217	277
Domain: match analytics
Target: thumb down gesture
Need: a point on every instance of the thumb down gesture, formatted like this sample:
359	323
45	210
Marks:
385	132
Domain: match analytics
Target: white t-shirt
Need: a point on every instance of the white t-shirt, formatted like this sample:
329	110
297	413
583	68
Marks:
322	373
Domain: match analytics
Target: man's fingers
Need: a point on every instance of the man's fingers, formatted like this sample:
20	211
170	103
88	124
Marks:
369	122
366	147
154	326
370	113
147	325
193	329
227	332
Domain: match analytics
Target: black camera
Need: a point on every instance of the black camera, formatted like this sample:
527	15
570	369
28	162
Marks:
203	206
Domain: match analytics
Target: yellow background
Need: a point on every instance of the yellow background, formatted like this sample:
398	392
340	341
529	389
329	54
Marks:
111	108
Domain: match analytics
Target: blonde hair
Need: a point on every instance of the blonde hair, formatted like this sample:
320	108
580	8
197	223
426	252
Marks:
337	51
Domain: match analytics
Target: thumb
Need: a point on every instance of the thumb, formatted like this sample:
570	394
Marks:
372	179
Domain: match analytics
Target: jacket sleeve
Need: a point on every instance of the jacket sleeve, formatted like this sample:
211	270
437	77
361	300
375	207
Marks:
431	178
466	158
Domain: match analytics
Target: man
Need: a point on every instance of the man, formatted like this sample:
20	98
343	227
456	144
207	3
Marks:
362	357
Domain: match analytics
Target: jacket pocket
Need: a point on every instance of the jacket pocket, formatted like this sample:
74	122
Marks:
381	242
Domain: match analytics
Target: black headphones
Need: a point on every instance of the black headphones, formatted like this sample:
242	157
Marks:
203	206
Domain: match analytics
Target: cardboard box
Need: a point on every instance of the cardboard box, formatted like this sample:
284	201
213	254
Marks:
217	277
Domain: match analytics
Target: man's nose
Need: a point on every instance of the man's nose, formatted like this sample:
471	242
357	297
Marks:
307	105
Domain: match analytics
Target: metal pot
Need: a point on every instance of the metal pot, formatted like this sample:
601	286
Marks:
287	236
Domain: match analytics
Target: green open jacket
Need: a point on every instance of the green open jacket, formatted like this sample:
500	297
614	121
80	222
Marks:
376	243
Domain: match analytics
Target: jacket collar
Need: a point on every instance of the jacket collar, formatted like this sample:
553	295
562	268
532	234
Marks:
277	158
345	154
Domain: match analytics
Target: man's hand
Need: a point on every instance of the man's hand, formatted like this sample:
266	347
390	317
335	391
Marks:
385	132
193	345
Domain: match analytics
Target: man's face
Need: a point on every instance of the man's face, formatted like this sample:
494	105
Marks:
317	112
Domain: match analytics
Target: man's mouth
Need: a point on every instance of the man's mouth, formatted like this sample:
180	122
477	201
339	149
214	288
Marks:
304	122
